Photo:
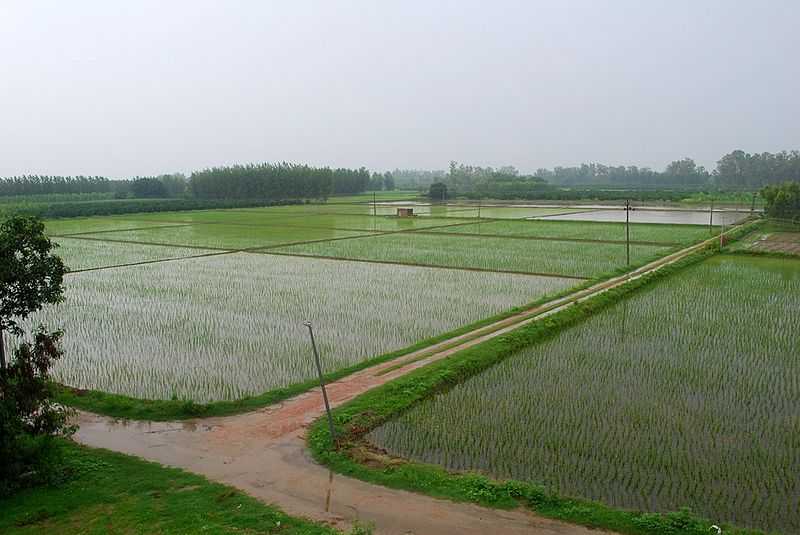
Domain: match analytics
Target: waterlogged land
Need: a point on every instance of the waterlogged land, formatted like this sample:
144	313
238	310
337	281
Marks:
224	327
81	254
684	394
225	236
667	234
490	253
210	323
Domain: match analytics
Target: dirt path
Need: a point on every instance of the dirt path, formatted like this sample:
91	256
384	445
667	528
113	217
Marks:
263	452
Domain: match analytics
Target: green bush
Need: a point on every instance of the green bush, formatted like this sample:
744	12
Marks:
783	200
29	419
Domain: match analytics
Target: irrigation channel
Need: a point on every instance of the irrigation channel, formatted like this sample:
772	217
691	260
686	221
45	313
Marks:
264	453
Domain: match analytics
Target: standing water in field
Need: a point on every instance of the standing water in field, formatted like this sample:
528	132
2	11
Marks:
686	393
224	327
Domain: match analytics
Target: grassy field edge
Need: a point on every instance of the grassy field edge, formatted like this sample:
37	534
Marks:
103	491
354	457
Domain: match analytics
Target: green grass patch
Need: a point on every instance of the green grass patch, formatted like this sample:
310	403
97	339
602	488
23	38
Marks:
106	492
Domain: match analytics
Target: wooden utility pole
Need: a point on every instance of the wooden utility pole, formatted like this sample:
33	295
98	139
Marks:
2	349
711	218
321	380
628	209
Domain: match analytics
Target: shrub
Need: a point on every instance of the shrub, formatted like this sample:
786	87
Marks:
29	419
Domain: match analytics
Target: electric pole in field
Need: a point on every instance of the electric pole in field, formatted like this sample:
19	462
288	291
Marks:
321	380
711	218
479	215
628	209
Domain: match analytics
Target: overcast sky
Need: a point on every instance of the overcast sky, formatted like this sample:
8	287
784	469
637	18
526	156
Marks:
139	88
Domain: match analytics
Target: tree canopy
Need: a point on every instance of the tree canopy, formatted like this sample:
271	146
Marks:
783	200
43	185
277	181
30	274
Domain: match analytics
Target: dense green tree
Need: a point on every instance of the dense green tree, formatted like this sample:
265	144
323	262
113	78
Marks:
685	172
175	185
31	276
148	188
375	182
388	181
29	419
416	178
438	191
783	200
739	169
277	182
42	185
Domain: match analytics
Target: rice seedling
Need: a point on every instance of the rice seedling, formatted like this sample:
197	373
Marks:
516	212
680	217
497	254
226	236
683	234
686	394
224	327
95	224
79	254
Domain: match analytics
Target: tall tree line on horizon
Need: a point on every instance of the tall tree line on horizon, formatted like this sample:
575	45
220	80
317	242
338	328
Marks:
735	170
277	181
46	184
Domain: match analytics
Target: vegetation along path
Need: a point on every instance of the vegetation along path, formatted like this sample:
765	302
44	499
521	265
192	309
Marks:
264	453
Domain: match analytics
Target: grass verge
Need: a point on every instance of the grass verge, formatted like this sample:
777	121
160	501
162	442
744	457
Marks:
352	456
106	492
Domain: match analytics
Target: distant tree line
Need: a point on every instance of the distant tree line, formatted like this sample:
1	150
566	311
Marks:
380	182
416	178
736	170
277	181
44	184
739	169
481	182
255	181
126	206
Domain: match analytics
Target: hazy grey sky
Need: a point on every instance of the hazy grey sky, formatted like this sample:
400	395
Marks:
135	88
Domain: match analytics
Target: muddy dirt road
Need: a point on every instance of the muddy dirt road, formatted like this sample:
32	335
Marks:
263	453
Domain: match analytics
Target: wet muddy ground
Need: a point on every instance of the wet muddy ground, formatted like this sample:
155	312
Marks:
778	242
